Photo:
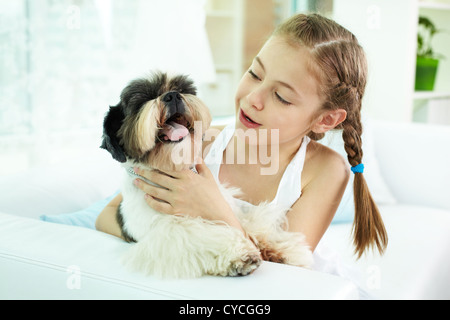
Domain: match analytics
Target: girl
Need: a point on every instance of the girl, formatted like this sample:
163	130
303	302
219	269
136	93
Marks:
308	78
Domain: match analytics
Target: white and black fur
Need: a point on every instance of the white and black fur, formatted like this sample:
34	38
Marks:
181	246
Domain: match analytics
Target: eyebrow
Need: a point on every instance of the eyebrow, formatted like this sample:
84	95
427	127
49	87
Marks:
284	84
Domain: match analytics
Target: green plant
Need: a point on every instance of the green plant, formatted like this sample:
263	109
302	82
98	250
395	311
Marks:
427	30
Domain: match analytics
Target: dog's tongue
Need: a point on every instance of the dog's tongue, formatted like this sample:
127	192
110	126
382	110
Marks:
174	131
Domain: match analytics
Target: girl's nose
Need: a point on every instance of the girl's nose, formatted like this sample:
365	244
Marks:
256	99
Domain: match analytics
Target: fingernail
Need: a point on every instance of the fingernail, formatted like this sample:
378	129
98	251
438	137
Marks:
136	182
136	169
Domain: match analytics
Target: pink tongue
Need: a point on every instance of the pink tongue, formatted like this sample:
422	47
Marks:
174	131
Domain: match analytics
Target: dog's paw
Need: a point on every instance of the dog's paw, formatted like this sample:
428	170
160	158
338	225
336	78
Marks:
269	254
244	266
292	250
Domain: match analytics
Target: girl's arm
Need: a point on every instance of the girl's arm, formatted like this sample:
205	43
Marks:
326	179
106	221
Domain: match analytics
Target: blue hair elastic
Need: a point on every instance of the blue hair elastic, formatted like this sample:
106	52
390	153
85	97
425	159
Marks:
359	168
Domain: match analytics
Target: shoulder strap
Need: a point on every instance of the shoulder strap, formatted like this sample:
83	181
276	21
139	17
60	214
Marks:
290	187
215	154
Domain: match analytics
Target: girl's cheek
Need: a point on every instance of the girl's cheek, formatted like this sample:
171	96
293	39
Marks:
239	90
239	98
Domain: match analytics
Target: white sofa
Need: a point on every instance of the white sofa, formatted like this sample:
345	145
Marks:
407	167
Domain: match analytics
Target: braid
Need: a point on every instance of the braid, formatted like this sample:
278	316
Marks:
368	227
352	138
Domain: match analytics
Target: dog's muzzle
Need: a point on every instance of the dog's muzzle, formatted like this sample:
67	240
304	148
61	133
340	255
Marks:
174	103
176	128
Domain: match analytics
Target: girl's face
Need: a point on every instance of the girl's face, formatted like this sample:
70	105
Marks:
278	92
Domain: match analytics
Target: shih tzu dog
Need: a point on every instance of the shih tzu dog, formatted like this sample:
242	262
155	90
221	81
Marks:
158	117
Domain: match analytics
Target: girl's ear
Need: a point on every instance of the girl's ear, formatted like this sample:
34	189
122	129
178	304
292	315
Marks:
328	120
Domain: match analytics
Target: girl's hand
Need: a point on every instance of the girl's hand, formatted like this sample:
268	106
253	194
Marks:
187	193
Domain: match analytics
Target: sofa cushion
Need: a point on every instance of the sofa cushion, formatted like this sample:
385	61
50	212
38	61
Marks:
64	188
414	160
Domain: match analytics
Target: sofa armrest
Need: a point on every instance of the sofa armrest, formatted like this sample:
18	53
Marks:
40	260
415	161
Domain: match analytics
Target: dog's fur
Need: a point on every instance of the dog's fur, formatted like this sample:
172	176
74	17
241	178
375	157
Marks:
181	246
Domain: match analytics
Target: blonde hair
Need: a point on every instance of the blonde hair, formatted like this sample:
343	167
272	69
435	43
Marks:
340	65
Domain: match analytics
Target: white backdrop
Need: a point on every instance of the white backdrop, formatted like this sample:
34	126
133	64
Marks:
62	63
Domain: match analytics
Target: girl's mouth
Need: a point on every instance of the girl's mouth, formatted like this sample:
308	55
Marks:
247	121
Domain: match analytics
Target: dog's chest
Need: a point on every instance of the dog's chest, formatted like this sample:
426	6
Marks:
137	214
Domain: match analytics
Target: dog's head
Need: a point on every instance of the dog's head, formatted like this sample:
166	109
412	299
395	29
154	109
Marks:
158	118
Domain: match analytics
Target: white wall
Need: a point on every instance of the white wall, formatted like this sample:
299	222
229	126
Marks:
387	30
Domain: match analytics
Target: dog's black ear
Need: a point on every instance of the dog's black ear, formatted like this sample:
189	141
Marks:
111	125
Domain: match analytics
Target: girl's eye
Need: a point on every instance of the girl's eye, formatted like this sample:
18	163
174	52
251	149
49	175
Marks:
254	76
282	100
279	98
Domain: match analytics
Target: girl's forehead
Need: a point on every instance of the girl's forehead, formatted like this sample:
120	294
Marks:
284	47
289	63
280	57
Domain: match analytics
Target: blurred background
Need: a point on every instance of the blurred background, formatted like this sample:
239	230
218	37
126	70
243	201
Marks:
63	62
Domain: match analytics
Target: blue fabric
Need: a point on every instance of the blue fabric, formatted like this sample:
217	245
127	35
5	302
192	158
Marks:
83	218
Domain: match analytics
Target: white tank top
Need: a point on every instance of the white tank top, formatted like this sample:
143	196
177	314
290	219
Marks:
290	187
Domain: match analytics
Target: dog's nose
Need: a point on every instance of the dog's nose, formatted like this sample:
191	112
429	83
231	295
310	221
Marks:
174	102
172	96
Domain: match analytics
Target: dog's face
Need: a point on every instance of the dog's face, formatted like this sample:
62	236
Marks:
159	122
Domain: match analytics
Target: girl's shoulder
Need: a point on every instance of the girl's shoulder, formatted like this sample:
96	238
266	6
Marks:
322	162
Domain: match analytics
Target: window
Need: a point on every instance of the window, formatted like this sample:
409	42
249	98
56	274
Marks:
62	62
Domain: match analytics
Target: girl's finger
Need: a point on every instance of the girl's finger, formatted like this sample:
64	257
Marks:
154	191
158	177
158	205
201	168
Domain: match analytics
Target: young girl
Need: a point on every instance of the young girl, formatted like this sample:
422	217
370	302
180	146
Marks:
308	78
